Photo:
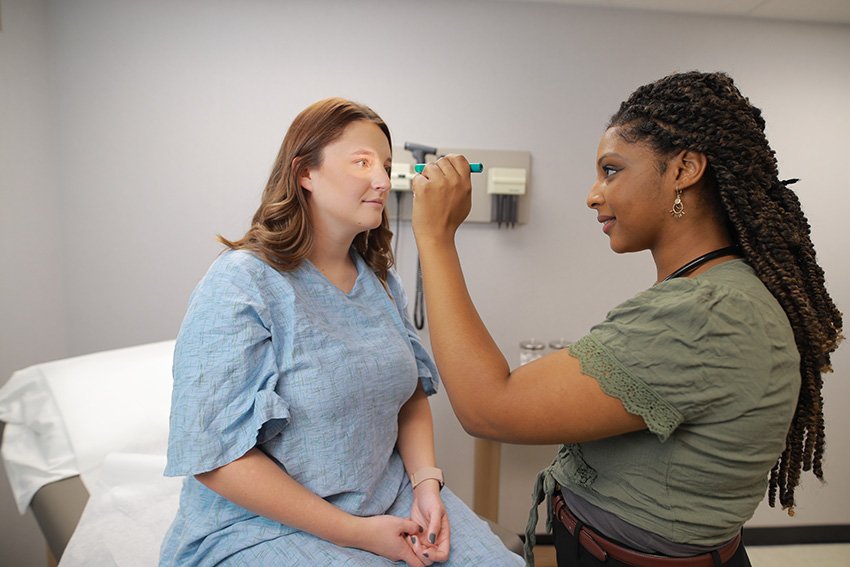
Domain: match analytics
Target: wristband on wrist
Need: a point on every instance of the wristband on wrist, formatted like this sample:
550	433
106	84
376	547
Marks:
427	473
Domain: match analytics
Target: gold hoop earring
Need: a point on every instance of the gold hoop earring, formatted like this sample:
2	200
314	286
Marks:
678	208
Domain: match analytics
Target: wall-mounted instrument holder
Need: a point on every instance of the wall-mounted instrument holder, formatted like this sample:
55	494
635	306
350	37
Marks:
499	193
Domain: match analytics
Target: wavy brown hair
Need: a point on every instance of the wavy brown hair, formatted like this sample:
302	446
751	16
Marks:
281	231
707	113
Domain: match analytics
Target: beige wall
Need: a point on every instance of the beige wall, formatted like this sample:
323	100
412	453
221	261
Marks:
132	132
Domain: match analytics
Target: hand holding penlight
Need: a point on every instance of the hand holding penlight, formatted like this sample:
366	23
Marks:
473	167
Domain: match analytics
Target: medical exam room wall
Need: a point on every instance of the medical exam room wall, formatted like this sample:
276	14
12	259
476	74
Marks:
131	132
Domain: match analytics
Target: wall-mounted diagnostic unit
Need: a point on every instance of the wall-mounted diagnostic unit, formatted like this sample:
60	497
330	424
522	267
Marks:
499	193
506	184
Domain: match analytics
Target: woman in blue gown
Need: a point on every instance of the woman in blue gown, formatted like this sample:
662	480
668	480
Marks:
300	415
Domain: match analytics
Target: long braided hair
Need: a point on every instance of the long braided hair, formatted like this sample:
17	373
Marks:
705	112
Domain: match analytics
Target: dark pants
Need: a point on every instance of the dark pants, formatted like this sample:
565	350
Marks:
571	554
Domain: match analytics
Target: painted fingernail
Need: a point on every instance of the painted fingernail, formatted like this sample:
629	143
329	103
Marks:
432	538
426	555
413	539
421	529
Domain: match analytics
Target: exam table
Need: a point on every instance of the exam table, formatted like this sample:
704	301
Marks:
84	446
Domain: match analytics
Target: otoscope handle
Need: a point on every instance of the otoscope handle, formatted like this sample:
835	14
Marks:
473	167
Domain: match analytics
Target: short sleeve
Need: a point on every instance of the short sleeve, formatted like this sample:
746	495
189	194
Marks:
684	350
225	372
428	374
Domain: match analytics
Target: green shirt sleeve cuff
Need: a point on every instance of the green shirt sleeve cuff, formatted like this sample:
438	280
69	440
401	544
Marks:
637	397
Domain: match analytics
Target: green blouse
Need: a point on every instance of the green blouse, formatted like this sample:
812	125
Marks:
711	365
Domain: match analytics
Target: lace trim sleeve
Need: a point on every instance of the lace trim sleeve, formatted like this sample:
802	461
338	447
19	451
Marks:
637	397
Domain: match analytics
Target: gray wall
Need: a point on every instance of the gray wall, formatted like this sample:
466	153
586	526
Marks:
133	131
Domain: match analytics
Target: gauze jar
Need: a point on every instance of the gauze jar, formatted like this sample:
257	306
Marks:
530	350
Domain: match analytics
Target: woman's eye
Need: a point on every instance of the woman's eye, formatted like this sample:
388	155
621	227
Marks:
609	170
362	162
389	171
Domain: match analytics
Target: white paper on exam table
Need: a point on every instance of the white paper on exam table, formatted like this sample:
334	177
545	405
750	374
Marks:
130	508
64	417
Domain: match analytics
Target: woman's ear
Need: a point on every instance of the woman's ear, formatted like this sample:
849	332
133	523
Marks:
304	179
689	167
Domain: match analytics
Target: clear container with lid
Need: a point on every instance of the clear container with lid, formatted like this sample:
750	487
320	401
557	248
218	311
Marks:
530	350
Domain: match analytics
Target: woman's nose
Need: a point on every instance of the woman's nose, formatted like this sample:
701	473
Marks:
594	198
381	181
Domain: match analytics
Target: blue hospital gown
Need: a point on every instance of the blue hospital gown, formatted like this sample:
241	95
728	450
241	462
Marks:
315	378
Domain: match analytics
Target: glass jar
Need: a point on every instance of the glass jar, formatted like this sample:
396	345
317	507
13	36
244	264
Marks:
530	350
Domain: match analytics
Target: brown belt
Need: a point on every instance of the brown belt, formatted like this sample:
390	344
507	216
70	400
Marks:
602	548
